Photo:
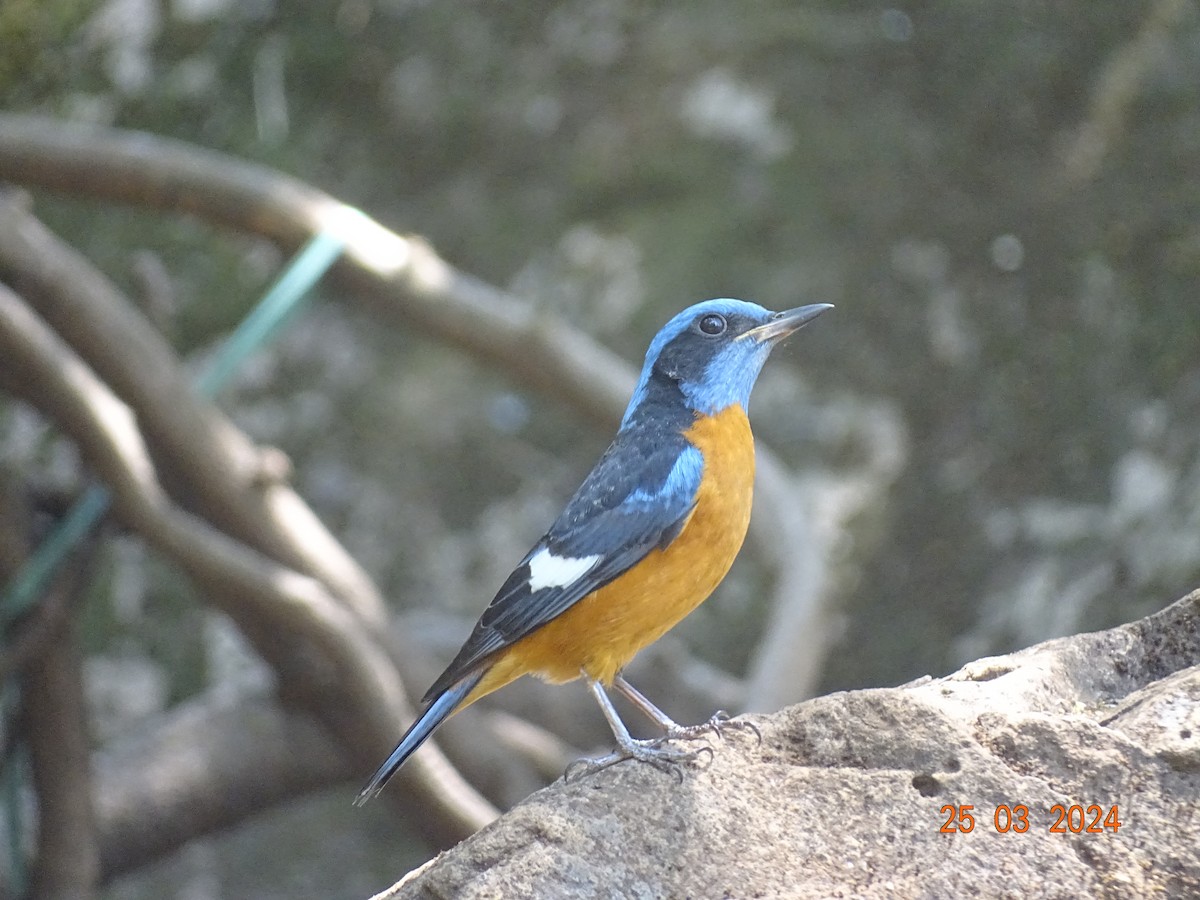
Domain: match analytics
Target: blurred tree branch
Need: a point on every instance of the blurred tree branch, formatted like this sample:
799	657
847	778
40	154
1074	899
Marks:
1117	87
42	652
323	652
189	774
405	282
28	635
217	468
55	720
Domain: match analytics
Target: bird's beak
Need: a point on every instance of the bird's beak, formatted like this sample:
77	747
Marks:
784	323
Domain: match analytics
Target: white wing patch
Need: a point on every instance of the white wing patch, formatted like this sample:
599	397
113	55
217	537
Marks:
549	571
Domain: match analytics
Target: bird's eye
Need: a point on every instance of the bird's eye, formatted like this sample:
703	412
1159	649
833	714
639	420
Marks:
712	324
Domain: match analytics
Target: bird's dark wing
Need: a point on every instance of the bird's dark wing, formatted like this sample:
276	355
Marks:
637	498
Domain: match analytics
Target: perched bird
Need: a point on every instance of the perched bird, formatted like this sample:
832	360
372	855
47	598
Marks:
646	538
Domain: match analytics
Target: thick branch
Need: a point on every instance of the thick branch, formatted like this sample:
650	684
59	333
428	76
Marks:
339	669
29	635
218	469
68	861
189	773
409	284
42	654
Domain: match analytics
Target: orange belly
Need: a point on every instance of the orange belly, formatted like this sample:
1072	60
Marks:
606	629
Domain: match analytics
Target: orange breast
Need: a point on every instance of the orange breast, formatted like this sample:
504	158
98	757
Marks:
603	631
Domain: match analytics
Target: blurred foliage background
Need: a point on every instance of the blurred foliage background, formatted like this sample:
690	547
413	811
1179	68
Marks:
1001	199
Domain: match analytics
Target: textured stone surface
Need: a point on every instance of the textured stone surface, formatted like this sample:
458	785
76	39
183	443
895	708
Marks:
844	796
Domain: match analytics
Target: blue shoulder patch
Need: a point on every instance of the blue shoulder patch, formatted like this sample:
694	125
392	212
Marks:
682	482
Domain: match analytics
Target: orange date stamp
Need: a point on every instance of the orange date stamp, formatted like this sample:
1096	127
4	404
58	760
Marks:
963	818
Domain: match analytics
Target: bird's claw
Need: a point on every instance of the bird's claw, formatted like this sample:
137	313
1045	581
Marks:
718	724
665	759
721	720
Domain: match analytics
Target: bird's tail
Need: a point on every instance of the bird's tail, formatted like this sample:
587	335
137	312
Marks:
437	713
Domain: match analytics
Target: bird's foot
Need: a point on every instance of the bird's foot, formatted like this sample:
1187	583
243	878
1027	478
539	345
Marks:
720	722
653	751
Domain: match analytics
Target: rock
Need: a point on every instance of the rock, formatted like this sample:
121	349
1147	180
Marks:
869	793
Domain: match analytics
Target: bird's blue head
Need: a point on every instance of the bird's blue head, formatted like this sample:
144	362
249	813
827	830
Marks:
712	352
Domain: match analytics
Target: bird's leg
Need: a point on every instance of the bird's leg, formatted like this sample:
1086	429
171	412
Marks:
666	759
717	724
